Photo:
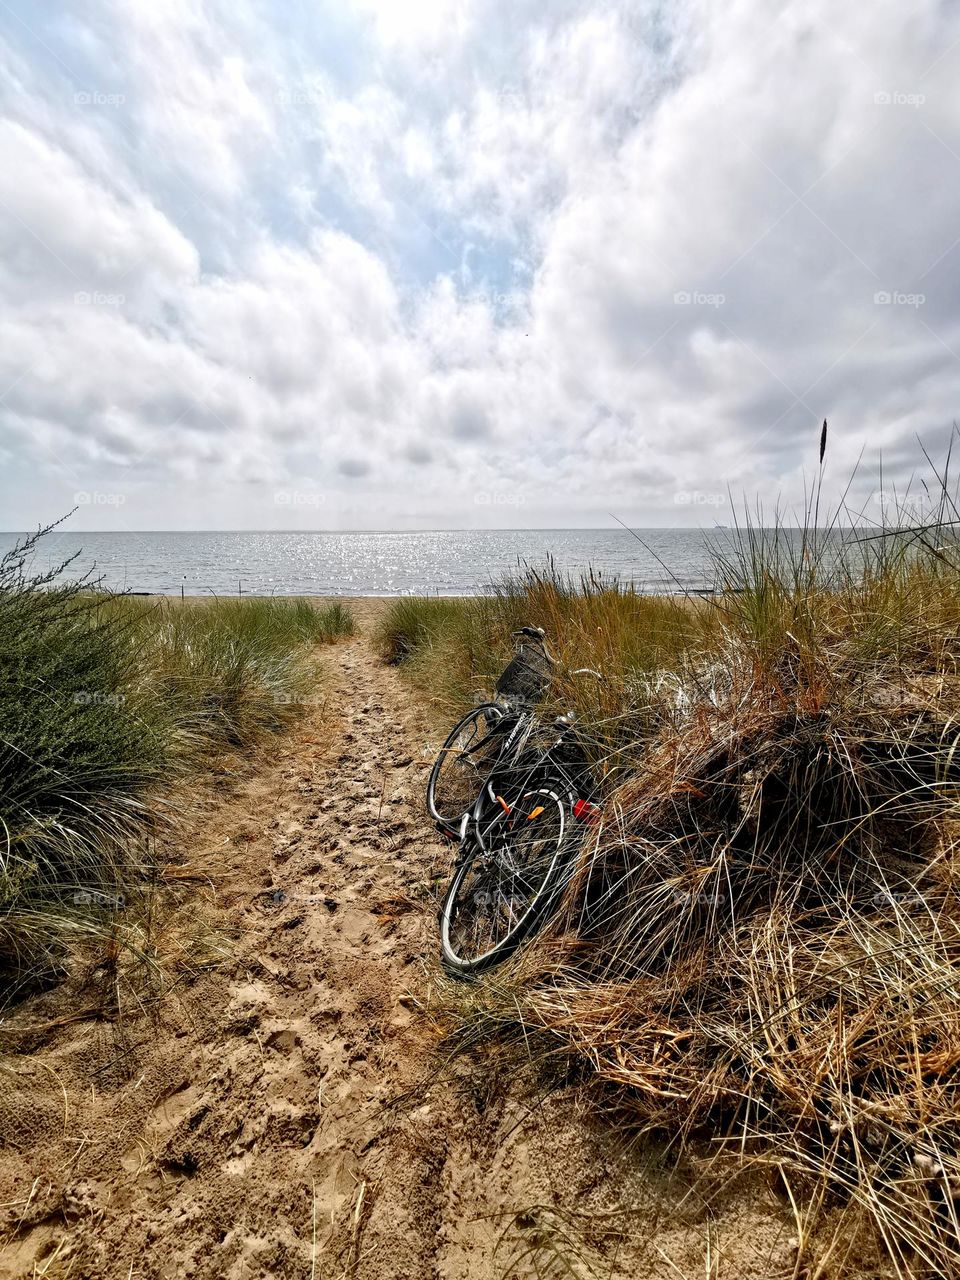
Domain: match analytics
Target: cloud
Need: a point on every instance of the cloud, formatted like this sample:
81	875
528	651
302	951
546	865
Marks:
63	229
615	253
353	467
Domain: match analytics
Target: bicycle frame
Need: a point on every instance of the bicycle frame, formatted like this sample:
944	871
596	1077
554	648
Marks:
524	765
562	758
516	768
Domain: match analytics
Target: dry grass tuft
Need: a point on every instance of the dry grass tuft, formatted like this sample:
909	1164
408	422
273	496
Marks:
762	940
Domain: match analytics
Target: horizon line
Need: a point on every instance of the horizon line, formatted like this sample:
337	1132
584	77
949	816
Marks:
658	528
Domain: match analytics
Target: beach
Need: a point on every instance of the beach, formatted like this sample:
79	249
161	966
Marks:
233	1049
294	1082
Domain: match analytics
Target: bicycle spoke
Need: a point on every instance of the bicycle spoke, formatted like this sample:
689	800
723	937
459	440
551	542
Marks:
466	759
502	884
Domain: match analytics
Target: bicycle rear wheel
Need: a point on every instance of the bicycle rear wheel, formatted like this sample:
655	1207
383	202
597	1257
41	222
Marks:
464	763
500	893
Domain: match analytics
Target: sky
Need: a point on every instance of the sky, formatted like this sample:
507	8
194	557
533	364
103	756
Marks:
454	263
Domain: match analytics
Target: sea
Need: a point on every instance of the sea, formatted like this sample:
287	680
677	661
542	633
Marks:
444	562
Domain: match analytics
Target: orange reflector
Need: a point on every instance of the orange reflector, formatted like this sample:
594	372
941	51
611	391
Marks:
536	813
503	805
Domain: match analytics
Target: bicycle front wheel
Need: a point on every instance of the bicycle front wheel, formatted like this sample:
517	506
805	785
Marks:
464	764
500	893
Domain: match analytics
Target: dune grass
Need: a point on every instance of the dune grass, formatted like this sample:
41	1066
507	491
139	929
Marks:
761	944
232	671
107	701
455	649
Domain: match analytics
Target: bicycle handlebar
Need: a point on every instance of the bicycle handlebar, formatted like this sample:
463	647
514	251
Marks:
538	636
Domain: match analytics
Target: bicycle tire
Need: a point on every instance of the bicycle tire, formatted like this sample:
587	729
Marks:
449	815
460	897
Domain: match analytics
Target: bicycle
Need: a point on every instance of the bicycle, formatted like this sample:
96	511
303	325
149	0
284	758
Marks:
491	731
509	787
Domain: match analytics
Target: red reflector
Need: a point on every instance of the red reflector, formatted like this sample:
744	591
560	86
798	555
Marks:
585	811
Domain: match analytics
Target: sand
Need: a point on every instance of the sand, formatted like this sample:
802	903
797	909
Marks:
281	1112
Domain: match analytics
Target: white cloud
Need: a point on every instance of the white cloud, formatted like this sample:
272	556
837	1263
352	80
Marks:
418	26
198	101
609	258
62	228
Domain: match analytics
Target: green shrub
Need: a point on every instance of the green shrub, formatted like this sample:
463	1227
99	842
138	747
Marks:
104	701
79	748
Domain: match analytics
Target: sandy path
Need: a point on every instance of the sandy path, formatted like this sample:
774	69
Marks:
266	1078
276	1116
